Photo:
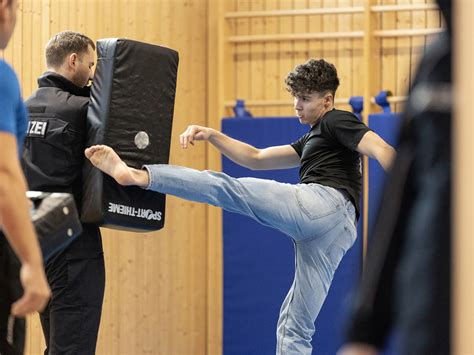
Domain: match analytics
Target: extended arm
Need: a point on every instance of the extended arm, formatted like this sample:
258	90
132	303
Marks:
278	157
375	147
15	222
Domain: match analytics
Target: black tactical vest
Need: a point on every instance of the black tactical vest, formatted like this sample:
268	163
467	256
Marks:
53	154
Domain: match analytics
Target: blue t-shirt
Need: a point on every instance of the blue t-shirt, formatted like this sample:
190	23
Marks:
13	114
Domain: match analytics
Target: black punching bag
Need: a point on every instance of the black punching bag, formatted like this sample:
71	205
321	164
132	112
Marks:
131	110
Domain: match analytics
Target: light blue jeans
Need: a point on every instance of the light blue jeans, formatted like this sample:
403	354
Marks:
319	219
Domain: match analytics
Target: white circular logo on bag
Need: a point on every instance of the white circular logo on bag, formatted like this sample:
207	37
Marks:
142	140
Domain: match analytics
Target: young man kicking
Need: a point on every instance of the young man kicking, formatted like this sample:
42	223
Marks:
319	213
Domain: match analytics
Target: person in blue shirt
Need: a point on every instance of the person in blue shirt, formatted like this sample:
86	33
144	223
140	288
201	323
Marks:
23	286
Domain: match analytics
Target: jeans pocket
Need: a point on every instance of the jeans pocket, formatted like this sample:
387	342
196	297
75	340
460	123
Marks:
343	241
315	201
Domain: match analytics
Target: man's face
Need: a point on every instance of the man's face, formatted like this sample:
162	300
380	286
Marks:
310	107
84	68
7	21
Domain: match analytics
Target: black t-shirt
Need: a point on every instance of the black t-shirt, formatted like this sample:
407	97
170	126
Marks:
328	155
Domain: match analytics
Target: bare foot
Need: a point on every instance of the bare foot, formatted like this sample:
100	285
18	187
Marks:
105	159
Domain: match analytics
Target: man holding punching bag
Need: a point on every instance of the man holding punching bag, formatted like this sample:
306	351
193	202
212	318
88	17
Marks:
53	160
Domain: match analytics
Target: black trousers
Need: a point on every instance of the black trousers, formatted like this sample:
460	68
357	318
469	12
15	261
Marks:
12	330
71	319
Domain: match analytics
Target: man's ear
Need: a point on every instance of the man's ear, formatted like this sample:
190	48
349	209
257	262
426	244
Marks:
328	99
72	60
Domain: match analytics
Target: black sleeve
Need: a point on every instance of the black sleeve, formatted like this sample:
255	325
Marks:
299	144
345	128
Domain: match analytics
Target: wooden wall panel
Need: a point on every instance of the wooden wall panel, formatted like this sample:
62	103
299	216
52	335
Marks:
285	59
242	56
463	191
388	50
393	70
418	20
272	86
345	55
315	24
402	81
357	45
155	301
329	24
257	50
220	80
300	25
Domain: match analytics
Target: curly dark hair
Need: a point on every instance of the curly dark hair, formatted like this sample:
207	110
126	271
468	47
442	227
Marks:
312	76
